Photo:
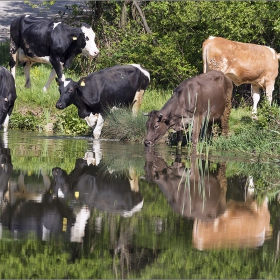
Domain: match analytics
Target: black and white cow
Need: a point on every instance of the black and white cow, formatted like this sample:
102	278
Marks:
117	85
7	96
46	41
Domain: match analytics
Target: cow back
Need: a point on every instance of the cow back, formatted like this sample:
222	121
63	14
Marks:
242	62
7	83
112	86
199	95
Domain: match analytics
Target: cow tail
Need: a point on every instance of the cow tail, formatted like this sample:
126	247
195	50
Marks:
204	56
14	43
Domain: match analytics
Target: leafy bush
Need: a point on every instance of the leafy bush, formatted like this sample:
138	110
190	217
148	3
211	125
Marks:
70	123
27	122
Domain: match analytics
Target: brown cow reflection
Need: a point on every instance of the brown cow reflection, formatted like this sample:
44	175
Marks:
200	194
188	192
243	225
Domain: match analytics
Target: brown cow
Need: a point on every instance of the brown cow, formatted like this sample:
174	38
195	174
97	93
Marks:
206	96
243	63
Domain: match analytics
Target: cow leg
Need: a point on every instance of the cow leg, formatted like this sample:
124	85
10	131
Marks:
55	62
269	89
91	119
179	136
133	179
224	121
26	69
226	114
256	99
97	151
51	78
78	229
6	123
98	127
137	102
46	180
13	64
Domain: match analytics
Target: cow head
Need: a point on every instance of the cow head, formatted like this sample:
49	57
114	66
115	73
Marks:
60	185
68	90
6	102
90	49
157	125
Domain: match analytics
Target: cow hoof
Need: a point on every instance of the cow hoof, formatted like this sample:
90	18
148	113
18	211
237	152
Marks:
45	89
254	117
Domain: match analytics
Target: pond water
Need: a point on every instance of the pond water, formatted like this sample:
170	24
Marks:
74	207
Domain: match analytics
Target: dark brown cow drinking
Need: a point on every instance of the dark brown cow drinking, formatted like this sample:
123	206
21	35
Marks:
206	97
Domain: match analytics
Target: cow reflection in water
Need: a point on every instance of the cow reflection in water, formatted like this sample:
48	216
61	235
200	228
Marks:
196	193
243	225
92	186
87	186
189	193
6	167
42	215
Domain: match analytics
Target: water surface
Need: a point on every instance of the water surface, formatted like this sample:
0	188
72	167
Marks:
74	207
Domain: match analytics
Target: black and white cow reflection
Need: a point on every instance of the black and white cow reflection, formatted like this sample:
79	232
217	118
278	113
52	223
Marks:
45	219
97	187
43	215
189	192
91	186
6	168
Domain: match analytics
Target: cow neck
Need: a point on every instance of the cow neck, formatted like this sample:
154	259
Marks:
172	111
79	102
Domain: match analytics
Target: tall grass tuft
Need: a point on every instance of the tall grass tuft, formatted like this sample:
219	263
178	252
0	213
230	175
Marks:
121	125
154	99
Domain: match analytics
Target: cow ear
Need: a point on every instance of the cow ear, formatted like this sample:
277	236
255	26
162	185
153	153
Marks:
160	117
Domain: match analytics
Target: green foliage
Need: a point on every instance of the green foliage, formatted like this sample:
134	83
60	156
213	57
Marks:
27	122
70	123
172	50
4	54
268	116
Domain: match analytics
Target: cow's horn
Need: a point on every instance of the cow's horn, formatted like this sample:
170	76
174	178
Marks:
145	114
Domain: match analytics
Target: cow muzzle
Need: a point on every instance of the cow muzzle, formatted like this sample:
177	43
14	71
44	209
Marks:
148	143
59	105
